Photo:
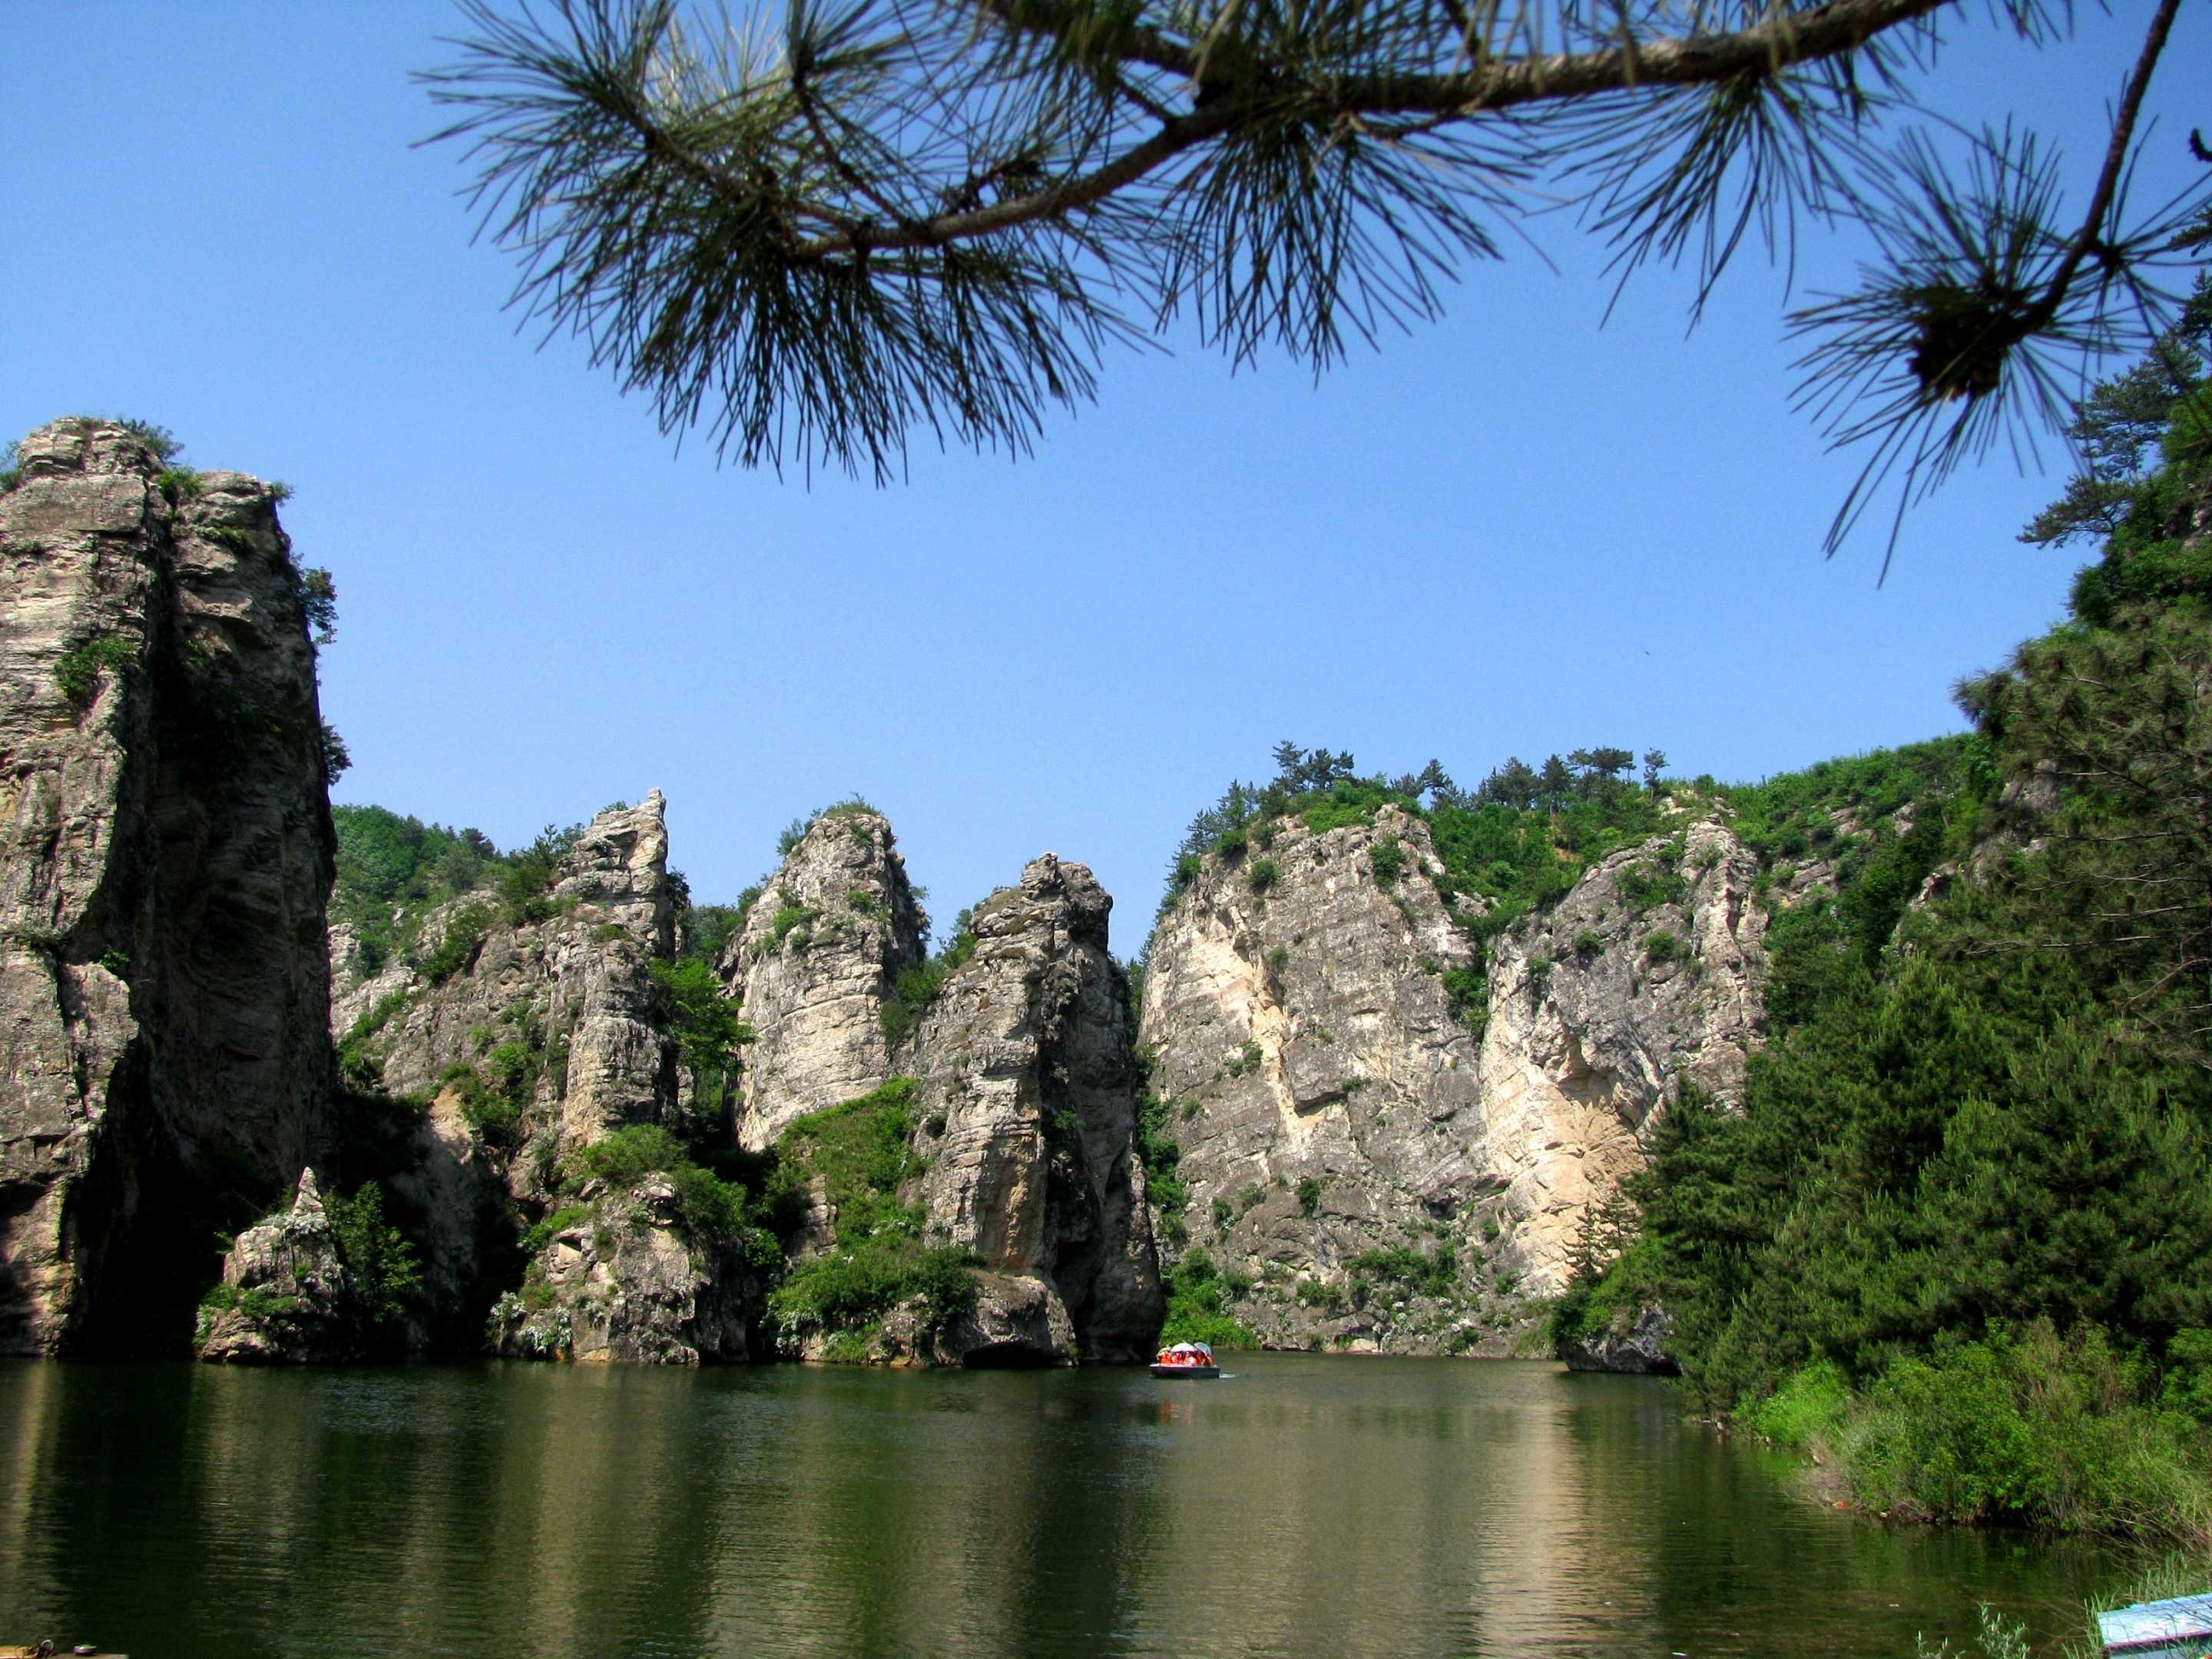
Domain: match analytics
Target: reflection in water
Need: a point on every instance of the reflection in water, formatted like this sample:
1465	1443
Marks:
1309	1506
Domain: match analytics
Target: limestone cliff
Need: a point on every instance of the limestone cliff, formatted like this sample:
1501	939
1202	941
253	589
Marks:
1019	1110
1028	1104
285	1296
1389	1133
820	951
532	1028
164	991
1646	976
1325	1095
627	1277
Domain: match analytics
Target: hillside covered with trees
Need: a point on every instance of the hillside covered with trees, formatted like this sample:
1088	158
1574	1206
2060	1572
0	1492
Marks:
1957	1241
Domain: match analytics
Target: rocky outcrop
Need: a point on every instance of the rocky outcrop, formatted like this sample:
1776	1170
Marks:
1390	1134
819	953
528	1028
163	983
1027	1104
626	1278
1326	1096
1637	1346
286	1295
1648	976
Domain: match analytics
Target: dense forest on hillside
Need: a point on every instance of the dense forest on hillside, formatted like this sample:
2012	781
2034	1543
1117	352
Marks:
1959	1237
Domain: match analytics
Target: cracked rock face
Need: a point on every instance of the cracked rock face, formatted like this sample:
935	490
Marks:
628	1283
1027	1107
1326	1099
288	1291
1637	1346
1648	976
820	952
1333	1113
555	1012
164	991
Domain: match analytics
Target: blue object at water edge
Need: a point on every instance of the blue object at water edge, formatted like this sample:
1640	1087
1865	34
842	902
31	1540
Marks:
2179	1629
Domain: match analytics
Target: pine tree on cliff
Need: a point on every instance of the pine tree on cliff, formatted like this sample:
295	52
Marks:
938	215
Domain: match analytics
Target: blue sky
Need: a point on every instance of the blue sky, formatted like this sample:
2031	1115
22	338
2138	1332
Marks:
1512	532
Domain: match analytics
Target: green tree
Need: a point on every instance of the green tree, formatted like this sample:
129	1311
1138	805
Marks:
818	237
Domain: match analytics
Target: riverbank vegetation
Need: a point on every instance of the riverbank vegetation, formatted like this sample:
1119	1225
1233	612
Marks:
1958	1240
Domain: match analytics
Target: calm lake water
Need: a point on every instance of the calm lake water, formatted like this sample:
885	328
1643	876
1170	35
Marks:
1308	1505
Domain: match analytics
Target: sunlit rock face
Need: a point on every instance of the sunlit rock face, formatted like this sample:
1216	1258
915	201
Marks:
1382	1162
1325	1097
164	990
1027	1109
533	1031
821	949
285	1299
632	1281
1649	975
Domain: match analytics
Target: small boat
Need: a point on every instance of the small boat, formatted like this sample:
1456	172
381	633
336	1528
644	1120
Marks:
1193	1360
2158	1630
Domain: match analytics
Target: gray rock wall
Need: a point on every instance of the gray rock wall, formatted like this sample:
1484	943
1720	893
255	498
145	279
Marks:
1028	1109
1302	1034
555	1014
821	949
163	982
1333	1113
628	1282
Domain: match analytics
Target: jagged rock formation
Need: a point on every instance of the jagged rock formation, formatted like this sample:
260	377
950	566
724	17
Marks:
629	1280
820	952
1027	1108
164	990
1646	976
285	1292
1325	1097
1375	1173
531	1030
1024	1114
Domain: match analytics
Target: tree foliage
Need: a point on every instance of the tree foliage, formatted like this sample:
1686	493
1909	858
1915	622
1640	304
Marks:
815	235
1975	1161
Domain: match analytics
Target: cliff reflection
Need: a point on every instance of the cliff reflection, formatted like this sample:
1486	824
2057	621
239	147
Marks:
1310	1506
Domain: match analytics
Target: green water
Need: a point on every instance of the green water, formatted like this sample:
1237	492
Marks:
1308	1505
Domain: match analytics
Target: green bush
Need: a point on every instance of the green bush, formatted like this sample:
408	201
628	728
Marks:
1309	1197
456	947
1197	1293
1387	859
381	1261
2064	1433
560	1221
861	1153
1589	944
1645	888
917	988
711	1208
1159	1154
708	1026
1263	875
793	919
1419	1274
1318	1293
1663	946
78	672
1466	990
